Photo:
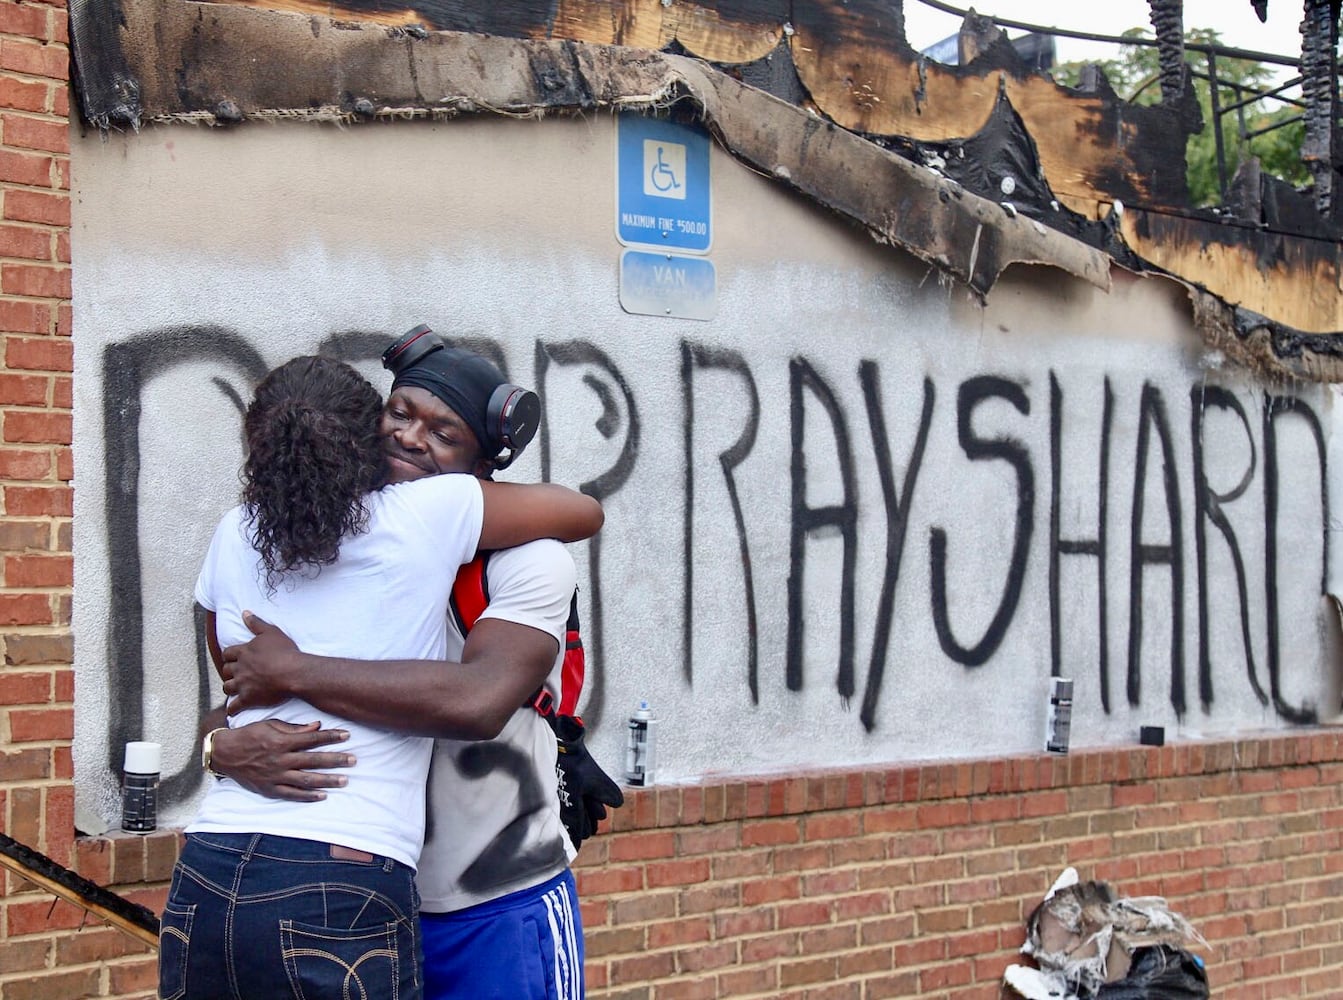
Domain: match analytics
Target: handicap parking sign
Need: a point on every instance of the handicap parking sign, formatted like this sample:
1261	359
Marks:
662	185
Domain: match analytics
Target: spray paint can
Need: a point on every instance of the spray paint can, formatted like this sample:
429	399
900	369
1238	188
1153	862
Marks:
641	747
1058	724
140	787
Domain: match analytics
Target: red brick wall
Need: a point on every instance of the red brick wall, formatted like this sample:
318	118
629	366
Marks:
44	953
908	881
916	881
36	678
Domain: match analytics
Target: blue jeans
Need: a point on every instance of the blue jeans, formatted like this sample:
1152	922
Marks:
252	916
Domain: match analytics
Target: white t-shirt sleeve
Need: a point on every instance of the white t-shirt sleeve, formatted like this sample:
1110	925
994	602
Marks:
532	585
451	510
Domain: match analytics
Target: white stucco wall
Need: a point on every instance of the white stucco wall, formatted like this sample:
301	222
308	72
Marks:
205	256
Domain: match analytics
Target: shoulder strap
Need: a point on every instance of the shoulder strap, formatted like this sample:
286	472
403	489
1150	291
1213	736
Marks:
575	666
470	593
470	596
571	673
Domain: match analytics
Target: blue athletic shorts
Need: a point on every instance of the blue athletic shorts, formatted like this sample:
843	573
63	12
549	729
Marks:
527	945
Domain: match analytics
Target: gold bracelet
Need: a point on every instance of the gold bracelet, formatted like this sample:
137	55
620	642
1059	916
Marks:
207	751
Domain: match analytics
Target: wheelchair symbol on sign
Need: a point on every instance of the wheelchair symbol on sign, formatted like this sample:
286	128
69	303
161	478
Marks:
662	176
664	173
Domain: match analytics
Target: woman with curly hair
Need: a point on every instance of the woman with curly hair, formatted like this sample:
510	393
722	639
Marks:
277	898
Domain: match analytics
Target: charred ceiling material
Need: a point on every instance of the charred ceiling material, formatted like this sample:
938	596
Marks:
257	64
969	167
109	92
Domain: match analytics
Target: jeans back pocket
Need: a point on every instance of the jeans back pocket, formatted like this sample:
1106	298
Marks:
325	962
174	945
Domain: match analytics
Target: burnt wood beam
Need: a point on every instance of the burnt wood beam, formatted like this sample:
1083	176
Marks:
1168	25
1319	85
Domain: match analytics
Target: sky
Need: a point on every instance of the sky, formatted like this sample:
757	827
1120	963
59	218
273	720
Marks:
1235	20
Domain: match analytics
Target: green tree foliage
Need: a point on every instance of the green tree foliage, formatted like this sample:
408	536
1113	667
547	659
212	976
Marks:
1135	76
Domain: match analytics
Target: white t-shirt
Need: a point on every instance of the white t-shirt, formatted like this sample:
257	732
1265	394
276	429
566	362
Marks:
385	598
494	824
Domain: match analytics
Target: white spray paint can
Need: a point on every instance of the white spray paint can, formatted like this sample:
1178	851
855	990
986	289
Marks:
641	747
140	787
1058	724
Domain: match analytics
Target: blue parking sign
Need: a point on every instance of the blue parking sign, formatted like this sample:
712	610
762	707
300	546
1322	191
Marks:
662	185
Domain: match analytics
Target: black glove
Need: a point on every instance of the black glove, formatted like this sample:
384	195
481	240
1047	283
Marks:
585	789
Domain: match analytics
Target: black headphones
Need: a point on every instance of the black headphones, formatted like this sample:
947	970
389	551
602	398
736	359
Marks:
512	414
415	344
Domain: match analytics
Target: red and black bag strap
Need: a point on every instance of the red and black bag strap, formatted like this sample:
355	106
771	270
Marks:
470	597
575	663
470	593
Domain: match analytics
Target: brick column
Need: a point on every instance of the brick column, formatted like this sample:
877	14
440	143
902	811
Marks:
36	676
